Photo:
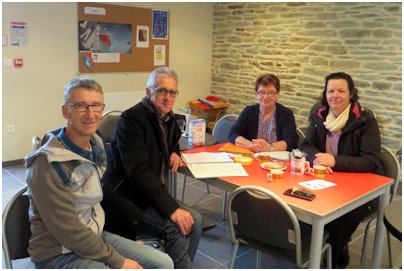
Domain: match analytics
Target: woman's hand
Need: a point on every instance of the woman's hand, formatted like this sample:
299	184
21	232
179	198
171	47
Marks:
259	145
325	159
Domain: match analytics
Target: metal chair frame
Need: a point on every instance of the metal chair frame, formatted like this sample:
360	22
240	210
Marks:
16	237
371	218
294	235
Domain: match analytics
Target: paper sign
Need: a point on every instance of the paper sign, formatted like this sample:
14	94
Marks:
18	34
317	184
94	10
160	24
142	36
106	57
159	55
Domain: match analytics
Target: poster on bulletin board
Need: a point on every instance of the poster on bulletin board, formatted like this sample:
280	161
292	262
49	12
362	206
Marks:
114	38
160	24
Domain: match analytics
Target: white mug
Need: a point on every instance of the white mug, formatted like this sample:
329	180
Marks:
299	166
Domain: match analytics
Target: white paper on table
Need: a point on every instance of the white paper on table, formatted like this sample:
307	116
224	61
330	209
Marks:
201	171
317	184
206	157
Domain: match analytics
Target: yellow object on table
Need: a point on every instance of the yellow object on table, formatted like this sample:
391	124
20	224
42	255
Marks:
244	160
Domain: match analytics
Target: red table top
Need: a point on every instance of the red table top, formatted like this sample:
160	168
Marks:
350	186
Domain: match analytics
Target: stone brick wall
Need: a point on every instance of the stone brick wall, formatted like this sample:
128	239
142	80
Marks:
304	42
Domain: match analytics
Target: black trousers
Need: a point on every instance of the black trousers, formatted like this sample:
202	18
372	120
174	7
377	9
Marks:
341	229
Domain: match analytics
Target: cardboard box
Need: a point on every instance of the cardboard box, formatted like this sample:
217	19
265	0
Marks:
197	129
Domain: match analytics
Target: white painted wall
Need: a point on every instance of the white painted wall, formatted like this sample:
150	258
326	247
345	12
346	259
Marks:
32	95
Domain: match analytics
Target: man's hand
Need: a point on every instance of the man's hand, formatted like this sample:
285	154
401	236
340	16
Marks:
131	264
183	219
175	162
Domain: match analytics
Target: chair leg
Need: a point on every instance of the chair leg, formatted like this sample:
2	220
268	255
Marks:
224	205
183	187
365	244
233	257
329	257
258	259
207	188
389	248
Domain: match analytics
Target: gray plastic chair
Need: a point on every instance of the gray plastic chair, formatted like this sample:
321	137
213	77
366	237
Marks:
260	219
223	126
391	169
301	137
16	228
109	121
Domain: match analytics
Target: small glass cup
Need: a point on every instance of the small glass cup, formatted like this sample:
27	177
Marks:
263	157
275	176
318	171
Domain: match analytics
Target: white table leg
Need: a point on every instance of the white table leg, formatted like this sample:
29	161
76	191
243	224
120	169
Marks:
380	230
317	233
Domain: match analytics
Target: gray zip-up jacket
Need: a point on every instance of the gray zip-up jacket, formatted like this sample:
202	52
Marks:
65	194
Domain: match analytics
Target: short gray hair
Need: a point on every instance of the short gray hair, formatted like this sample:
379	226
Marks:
85	83
163	71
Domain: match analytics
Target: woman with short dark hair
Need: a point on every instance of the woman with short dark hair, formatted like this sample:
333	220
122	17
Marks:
268	125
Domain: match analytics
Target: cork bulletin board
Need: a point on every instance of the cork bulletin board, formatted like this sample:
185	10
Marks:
101	26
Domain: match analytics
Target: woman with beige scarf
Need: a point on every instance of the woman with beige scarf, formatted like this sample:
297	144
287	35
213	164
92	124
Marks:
343	136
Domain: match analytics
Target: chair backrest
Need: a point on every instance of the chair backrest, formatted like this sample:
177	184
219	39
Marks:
260	218
370	110
108	124
391	168
223	126
301	137
16	228
313	110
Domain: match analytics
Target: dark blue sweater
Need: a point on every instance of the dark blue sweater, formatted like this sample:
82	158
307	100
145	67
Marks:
247	125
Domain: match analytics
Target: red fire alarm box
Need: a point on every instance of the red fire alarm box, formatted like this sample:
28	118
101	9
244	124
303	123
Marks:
18	62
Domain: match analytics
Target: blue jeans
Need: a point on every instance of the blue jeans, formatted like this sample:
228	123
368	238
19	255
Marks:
146	256
181	248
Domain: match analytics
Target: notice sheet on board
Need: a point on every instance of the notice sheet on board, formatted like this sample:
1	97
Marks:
18	34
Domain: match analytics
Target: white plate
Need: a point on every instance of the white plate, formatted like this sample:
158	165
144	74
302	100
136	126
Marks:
282	164
277	155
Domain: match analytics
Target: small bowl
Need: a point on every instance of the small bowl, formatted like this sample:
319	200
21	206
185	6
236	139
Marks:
244	160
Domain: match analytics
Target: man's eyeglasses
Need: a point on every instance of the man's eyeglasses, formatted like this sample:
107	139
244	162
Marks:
83	107
269	93
164	91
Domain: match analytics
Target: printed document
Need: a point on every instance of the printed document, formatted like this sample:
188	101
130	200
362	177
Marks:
212	170
211	165
205	157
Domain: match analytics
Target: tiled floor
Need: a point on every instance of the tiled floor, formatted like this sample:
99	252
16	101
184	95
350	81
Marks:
215	248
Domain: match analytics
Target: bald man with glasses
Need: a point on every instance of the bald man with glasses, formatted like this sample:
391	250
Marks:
143	149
